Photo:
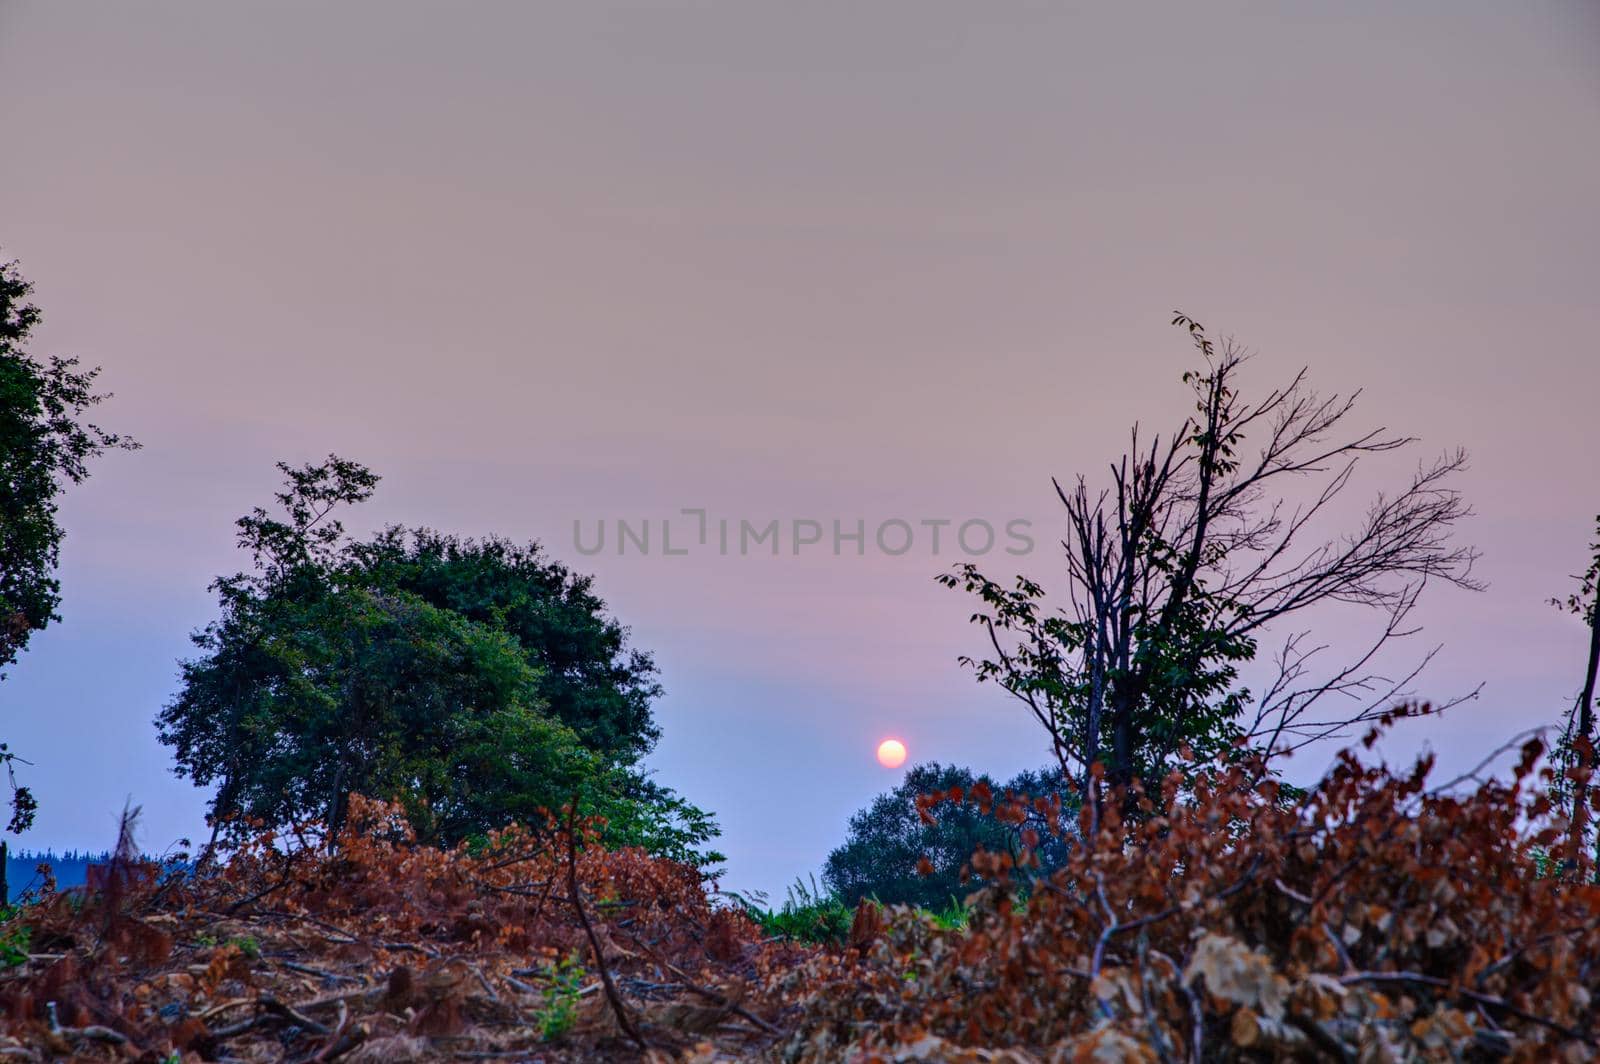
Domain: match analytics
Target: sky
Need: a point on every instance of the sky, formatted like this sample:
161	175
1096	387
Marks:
550	264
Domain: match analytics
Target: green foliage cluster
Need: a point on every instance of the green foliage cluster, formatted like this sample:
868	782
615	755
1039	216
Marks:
820	917
808	914
563	980
247	945
44	444
888	840
14	938
640	812
476	682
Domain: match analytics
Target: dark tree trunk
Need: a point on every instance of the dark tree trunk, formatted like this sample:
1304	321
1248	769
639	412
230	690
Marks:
1585	739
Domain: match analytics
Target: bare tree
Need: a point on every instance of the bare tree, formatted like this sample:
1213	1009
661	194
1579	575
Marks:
1178	569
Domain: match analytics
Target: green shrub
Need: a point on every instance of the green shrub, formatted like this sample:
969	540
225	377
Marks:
952	917
563	982
807	914
247	945
14	938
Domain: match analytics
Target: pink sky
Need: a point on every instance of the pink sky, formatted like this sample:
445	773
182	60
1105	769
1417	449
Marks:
539	263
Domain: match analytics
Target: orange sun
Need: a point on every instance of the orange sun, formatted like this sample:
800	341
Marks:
891	753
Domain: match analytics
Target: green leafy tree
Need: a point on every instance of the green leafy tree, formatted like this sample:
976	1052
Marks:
587	676
475	682
1205	541
888	840
45	444
641	812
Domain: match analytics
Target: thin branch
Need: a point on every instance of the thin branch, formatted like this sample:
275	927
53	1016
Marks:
612	996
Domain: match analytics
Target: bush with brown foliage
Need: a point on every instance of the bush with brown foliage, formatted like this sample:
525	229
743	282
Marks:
383	949
1374	919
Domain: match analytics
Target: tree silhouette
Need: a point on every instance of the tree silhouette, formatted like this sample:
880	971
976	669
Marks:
45	444
1177	570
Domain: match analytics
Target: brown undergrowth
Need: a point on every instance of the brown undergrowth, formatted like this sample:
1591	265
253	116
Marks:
383	950
1375	919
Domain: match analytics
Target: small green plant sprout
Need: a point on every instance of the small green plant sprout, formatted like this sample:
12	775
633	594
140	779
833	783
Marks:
247	945
953	917
563	985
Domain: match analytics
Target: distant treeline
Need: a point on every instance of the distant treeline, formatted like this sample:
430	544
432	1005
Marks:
70	867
